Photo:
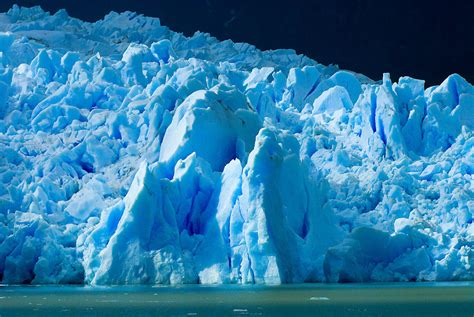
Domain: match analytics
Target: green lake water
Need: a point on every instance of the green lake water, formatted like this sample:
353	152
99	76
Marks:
401	299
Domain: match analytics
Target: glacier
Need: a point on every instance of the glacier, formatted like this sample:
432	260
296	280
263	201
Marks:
132	154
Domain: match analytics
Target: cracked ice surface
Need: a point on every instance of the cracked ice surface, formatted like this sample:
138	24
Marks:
134	154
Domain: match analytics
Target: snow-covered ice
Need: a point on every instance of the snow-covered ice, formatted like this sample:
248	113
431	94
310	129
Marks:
133	154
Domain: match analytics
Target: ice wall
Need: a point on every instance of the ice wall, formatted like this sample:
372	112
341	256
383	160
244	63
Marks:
133	154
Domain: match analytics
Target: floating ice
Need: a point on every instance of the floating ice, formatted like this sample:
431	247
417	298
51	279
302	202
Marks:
133	154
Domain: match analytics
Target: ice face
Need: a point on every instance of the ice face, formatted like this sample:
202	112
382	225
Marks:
133	154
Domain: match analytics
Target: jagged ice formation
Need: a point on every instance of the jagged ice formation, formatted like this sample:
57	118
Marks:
133	154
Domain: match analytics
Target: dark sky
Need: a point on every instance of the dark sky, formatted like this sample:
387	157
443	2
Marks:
422	39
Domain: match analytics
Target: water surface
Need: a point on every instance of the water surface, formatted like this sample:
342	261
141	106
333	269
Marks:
402	299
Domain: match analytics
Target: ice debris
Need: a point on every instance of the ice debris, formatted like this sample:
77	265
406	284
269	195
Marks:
133	154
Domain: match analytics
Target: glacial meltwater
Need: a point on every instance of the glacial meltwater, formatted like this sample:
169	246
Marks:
400	299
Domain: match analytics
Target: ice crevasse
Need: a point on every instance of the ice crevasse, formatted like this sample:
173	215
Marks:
131	154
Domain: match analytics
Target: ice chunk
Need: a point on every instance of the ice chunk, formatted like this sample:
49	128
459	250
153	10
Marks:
343	79
210	124
144	246
333	99
163	50
281	212
301	84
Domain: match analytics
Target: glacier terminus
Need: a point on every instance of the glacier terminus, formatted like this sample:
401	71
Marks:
132	154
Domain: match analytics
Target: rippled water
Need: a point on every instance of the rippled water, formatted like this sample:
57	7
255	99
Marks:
403	299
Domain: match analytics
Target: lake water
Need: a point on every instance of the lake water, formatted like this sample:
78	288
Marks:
402	299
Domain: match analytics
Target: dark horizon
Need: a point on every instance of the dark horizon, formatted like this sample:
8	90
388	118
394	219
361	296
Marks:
421	39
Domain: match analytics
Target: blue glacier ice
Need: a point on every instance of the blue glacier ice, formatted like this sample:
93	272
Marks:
133	154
